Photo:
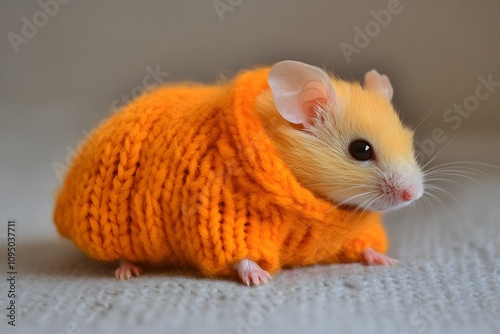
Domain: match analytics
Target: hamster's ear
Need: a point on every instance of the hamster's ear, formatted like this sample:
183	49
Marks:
299	89
376	82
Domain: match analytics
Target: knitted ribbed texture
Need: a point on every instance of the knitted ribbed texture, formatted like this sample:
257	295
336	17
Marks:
186	175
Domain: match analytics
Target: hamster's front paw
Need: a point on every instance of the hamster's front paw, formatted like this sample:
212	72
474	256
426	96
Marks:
126	270
251	273
371	257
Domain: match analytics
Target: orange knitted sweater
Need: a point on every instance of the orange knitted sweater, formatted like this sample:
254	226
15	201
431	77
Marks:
186	175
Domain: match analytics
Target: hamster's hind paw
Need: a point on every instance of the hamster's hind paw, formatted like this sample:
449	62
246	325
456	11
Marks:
126	270
372	257
251	273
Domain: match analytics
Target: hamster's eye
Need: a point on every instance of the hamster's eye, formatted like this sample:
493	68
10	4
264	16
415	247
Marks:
361	150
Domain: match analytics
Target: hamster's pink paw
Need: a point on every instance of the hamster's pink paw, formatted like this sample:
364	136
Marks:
126	270
371	257
251	273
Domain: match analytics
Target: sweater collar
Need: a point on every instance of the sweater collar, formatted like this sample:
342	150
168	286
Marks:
260	157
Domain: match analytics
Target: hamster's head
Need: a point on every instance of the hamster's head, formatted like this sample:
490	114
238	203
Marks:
344	141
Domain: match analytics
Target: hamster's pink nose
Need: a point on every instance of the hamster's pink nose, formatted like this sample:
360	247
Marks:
411	193
408	195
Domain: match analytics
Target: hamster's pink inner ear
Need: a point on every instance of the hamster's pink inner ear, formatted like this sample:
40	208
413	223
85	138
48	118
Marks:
299	89
381	84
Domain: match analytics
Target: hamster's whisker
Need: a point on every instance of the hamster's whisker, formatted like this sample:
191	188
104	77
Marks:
359	206
443	191
427	202
337	205
353	188
356	210
416	206
368	205
439	201
408	207
449	180
461	169
445	148
427	125
337	183
356	196
464	163
422	118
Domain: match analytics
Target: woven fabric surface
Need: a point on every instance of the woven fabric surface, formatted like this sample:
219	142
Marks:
447	280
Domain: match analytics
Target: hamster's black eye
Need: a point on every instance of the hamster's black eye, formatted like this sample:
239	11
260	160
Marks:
361	150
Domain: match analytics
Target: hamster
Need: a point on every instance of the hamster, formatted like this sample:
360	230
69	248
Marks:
284	166
352	148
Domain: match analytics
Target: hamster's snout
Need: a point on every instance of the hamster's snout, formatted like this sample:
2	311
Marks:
398	190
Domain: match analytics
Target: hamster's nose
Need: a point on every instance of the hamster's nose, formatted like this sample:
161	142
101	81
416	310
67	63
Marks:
411	193
407	195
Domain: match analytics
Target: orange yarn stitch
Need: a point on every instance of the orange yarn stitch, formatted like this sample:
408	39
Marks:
186	175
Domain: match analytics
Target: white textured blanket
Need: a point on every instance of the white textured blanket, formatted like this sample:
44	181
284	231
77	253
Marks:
447	281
